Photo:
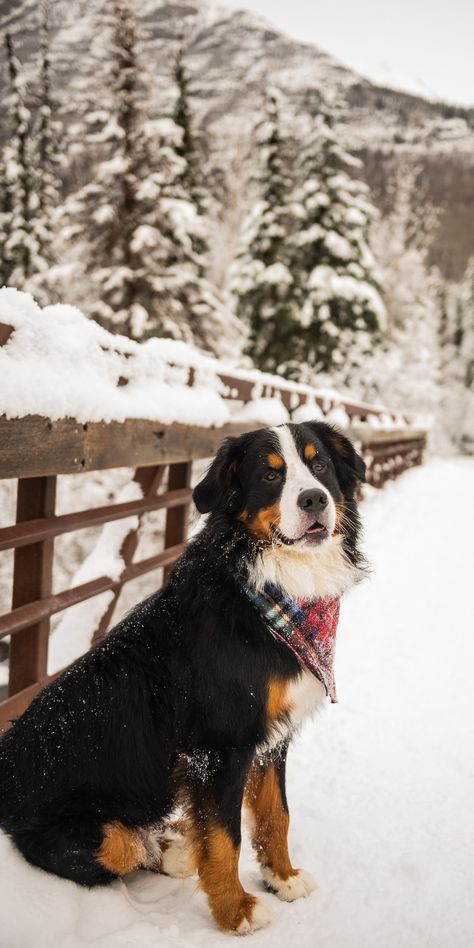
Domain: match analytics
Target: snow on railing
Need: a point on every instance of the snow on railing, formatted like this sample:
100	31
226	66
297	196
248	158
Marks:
57	363
75	398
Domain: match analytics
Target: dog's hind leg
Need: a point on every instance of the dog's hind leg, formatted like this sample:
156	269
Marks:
170	848
85	850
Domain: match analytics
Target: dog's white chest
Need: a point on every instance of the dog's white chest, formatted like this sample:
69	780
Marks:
303	697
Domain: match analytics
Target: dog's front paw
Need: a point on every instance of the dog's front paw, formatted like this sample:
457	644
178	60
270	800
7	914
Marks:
297	886
240	916
257	915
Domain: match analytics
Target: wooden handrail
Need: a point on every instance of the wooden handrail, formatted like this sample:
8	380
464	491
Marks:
28	615
32	531
34	450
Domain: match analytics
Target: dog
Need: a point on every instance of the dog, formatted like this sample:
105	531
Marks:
190	702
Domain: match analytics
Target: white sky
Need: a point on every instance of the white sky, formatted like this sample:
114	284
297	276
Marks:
423	46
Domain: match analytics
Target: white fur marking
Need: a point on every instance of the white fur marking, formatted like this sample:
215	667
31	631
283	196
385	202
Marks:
305	573
306	694
261	917
296	887
293	521
177	860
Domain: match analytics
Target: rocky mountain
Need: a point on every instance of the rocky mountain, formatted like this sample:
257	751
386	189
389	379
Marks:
232	57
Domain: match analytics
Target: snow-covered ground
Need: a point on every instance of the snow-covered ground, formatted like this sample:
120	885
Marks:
380	786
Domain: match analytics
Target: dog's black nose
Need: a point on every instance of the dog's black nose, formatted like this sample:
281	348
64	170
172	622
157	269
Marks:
312	501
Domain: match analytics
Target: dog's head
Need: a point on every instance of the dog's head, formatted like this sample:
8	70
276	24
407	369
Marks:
290	485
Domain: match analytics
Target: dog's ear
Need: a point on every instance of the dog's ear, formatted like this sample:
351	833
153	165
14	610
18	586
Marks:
219	480
350	467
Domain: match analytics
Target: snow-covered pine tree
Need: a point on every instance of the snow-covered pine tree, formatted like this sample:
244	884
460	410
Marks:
211	324
261	282
47	157
403	370
336	279
466	334
138	227
457	366
103	218
18	247
191	176
5	221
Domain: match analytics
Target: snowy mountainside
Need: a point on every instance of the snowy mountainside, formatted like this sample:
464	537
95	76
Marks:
232	56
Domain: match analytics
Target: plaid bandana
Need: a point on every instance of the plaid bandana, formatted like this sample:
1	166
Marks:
308	628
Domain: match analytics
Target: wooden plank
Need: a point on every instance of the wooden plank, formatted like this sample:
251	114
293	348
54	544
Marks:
12	623
33	446
177	517
32	531
32	580
149	480
241	387
5	333
370	436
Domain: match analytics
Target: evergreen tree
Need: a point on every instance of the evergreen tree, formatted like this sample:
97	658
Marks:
403	370
465	339
47	162
262	283
19	247
5	222
138	227
336	280
457	404
190	177
28	179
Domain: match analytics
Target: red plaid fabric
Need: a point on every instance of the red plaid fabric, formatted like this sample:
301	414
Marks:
308	628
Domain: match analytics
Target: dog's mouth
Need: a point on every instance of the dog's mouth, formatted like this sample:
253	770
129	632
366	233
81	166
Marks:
316	530
314	534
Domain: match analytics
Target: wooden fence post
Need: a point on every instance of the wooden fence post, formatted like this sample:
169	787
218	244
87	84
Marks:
32	579
149	479
177	517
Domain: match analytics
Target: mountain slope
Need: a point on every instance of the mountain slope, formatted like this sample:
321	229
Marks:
232	57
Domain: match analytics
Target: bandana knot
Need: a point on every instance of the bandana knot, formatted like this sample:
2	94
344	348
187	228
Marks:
307	627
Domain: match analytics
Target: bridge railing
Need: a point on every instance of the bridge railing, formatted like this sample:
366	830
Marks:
36	451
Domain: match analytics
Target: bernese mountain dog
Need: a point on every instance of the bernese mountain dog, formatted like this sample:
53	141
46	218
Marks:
187	706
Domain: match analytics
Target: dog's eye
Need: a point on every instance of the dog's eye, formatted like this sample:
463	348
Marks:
319	466
271	476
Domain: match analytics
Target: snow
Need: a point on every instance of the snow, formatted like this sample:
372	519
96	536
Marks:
276	274
380	785
59	364
328	283
73	635
265	411
309	411
338	416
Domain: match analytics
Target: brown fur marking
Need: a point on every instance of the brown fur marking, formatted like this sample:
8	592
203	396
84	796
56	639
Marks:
338	443
271	821
261	525
310	452
277	703
218	861
275	461
121	850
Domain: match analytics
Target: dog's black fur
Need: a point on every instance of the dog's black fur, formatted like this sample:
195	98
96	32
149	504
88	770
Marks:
175	695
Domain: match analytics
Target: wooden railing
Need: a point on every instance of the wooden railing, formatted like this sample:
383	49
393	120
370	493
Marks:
35	451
